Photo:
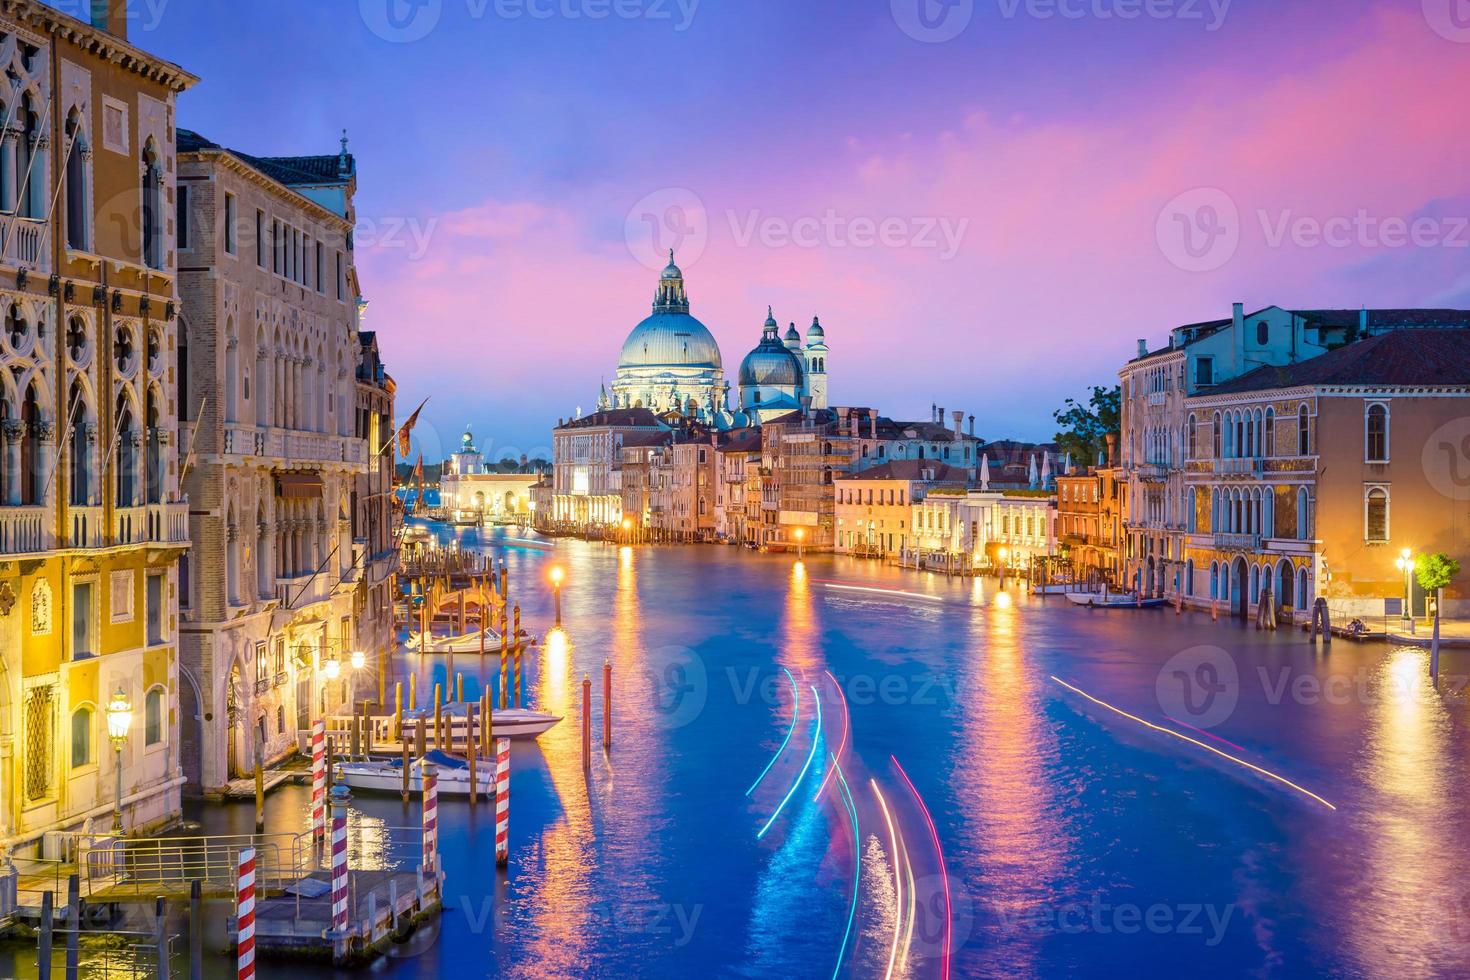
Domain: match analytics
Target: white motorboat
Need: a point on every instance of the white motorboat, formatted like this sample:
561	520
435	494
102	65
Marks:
464	643
453	775
505	723
1112	600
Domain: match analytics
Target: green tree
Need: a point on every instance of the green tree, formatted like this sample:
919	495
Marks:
1085	426
1434	572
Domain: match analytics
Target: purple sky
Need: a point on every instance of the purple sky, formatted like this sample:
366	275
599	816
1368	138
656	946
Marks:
989	222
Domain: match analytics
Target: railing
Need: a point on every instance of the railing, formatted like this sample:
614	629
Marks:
1238	542
1248	467
144	868
303	589
277	443
129	525
168	523
24	530
23	238
87	527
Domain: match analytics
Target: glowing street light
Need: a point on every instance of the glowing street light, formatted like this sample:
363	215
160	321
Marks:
800	537
332	669
119	720
557	574
359	659
1405	563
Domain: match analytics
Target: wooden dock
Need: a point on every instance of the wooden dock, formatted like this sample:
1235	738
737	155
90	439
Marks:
244	789
384	906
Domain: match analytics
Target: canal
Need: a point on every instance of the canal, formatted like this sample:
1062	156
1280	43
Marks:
1037	788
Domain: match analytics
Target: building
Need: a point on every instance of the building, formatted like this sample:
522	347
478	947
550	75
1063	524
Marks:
1315	479
270	307
377	512
738	454
877	440
469	492
587	464
92	522
875	507
966	532
1201	357
671	365
802	455
1079	524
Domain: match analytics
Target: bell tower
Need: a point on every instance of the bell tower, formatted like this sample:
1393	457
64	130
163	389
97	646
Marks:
816	364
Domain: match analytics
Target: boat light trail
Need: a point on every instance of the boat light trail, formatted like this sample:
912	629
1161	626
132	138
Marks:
943	872
1222	741
816	740
1194	741
795	714
857	863
840	745
897	879
899	593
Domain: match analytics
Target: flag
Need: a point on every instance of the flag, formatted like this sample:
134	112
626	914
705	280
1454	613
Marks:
405	431
418	473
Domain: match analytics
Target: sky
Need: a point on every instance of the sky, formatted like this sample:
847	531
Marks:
987	202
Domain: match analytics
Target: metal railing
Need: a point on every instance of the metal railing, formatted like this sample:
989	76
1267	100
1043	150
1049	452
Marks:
140	869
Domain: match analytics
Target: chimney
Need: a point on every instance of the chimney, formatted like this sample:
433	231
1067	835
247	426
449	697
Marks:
972	426
1142	347
1237	317
873	422
1363	322
1111	439
111	16
959	426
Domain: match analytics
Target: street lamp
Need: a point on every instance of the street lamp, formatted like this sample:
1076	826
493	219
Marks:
359	659
332	669
800	537
1405	564
627	530
556	576
119	719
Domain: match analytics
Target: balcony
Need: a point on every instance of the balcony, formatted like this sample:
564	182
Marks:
24	530
24	240
1239	467
1238	542
293	446
151	524
87	528
303	590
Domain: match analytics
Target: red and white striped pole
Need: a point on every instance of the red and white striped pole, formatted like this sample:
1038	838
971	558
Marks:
340	796
502	802
245	915
431	820
318	781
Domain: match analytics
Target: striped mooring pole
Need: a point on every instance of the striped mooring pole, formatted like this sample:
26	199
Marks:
431	819
318	781
245	915
502	802
340	797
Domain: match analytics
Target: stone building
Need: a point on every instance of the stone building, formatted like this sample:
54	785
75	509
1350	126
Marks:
1315	479
587	465
270	308
91	519
966	531
376	512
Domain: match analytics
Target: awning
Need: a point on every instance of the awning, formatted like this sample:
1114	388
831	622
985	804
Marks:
299	486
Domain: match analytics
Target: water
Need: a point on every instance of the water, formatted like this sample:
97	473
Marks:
1075	840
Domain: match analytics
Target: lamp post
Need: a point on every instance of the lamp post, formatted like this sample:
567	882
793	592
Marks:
800	538
119	720
556	578
1405	564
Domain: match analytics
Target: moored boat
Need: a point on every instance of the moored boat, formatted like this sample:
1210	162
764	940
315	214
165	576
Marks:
1113	600
386	776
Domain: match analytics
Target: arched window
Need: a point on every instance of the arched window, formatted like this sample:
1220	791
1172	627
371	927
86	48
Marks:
1216	435
1376	427
1376	516
153	717
1303	516
1214	580
81	737
78	218
1263	333
1192	438
152	194
1303	433
1269	449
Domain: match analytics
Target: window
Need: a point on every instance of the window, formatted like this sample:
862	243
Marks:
1303	433
152	190
153	717
1263	333
232	245
262	663
181	215
319	287
155	609
260	238
81	737
1376	518
277	243
40	730
1377	433
83	631
1217	436
77	217
341	286
1269	449
1204	372
114	125
1192	441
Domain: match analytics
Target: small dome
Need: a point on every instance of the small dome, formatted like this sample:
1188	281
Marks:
763	367
671	271
816	332
792	334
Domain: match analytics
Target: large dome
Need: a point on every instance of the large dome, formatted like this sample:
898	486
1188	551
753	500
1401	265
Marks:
669	339
772	366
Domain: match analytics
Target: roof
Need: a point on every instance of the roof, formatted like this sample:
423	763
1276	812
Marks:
1399	358
747	440
290	171
913	470
636	440
633	418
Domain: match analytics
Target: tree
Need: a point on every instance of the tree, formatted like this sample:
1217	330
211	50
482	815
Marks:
1434	573
1085	427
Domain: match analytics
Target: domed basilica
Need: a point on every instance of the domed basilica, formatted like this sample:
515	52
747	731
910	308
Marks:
672	364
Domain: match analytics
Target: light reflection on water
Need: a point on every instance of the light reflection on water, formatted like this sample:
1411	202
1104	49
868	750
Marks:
1052	815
